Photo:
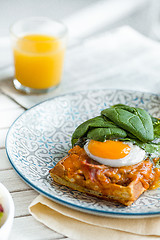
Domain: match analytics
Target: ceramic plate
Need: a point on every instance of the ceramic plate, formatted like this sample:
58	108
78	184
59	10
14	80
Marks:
41	136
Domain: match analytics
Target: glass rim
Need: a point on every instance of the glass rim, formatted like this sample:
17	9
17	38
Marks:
63	34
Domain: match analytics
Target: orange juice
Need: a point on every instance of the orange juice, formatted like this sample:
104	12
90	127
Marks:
38	61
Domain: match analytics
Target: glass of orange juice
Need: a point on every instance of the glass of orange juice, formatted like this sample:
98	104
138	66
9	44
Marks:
39	46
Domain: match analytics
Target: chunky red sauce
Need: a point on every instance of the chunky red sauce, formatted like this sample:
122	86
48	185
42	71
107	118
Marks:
79	166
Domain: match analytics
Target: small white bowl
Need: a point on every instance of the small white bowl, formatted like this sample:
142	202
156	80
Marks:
8	206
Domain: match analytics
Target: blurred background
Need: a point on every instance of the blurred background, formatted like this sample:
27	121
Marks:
84	17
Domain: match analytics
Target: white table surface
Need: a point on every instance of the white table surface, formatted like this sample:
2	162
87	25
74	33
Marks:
25	227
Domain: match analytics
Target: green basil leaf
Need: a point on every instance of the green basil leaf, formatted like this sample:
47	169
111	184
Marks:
134	120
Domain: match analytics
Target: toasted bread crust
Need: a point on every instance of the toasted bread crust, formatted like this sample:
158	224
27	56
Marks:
125	195
73	171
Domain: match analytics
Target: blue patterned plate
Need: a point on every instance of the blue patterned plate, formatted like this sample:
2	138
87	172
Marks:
41	136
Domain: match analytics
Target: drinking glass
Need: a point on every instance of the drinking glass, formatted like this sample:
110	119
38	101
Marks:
39	46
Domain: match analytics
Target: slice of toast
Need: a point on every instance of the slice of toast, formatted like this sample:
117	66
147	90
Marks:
79	172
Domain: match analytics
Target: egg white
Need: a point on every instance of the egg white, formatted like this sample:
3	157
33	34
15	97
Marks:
135	156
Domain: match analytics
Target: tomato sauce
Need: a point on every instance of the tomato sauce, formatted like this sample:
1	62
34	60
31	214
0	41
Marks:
79	166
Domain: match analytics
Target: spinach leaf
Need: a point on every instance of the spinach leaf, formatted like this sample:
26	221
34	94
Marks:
93	123
150	148
155	120
156	127
134	120
158	163
101	134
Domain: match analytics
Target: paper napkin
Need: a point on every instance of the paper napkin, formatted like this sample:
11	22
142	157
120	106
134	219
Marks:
78	225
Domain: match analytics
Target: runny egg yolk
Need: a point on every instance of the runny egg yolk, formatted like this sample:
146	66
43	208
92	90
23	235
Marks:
109	149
